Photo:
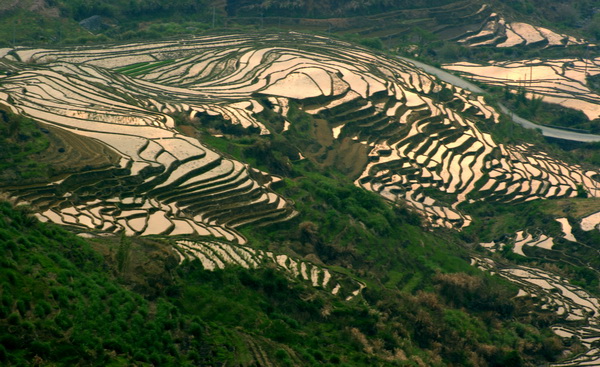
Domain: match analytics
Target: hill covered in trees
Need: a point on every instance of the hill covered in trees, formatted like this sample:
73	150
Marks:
393	23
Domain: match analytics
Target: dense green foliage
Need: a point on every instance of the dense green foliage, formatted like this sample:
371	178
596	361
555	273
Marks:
121	9
564	14
20	140
593	81
118	20
341	225
22	27
60	304
328	8
399	24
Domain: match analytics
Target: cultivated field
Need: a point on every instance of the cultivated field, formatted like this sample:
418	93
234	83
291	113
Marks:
423	137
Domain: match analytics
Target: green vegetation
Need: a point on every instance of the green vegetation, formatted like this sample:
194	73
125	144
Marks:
119	20
347	228
588	152
125	301
63	303
424	304
593	81
397	24
566	15
20	140
21	27
81	9
493	220
321	9
535	109
142	68
572	260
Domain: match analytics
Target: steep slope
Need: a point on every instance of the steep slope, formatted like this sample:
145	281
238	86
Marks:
161	173
61	305
323	113
422	133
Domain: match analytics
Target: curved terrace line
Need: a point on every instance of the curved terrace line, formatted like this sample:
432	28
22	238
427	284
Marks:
549	132
379	103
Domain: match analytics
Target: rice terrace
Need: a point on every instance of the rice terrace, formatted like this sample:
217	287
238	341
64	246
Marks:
306	194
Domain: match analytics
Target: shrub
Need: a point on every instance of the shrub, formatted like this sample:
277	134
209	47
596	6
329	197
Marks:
14	319
39	348
3	354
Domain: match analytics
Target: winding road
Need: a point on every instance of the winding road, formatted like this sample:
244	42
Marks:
549	132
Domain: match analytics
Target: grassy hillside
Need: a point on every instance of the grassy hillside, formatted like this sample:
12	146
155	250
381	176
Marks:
60	304
33	152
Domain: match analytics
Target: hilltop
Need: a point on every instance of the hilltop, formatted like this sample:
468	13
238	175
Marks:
444	29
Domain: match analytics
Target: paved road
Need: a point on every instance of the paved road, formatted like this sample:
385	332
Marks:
445	76
550	132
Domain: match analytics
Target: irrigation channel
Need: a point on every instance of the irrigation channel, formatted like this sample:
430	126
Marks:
546	131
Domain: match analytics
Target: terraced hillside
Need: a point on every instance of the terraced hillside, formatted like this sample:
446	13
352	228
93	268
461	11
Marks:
497	32
470	23
558	296
215	255
559	81
391	127
418	141
165	183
